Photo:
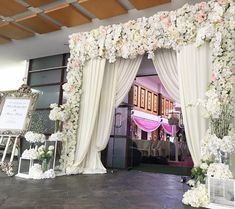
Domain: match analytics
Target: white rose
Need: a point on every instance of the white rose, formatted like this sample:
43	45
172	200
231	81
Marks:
51	148
50	153
203	166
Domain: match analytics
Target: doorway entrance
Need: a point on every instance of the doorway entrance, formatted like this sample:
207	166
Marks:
149	135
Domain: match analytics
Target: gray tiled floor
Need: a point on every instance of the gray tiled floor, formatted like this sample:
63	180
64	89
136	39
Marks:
119	190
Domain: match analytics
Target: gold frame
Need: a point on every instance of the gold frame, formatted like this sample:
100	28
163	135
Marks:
24	92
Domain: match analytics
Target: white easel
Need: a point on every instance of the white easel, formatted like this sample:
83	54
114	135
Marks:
5	166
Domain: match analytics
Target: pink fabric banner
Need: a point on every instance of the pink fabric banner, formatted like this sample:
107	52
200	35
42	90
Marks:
151	125
145	124
170	129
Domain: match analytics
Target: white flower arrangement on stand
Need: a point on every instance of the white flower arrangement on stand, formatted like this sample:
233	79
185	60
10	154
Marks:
37	171
42	153
31	153
219	171
197	196
32	137
58	136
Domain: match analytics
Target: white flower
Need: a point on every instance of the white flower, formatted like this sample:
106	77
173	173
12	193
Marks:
48	174
219	170
40	153
58	136
51	148
210	145
197	196
35	172
30	154
191	182
34	137
228	144
50	153
204	166
41	148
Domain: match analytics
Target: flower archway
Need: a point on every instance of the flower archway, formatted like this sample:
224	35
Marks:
212	22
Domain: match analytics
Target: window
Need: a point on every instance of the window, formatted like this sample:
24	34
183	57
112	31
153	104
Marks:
47	75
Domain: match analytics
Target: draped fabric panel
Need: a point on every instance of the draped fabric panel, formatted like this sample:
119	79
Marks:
165	63
152	125
93	74
194	71
145	124
170	129
118	79
127	71
104	120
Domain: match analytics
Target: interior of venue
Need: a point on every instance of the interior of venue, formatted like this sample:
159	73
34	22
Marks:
143	119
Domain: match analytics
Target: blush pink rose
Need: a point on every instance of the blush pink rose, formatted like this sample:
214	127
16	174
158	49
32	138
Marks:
165	20
213	77
140	50
200	16
76	38
73	65
202	5
222	2
71	89
66	125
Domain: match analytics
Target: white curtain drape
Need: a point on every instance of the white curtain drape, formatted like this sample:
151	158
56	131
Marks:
93	138
127	71
194	72
92	80
118	78
165	63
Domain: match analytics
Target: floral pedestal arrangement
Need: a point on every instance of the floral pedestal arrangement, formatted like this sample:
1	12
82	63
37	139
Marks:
34	153
36	172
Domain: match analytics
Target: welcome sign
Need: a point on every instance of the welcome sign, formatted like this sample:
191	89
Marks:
16	108
14	113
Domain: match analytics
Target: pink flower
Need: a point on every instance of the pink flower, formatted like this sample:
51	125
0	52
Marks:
140	50
165	20
102	30
202	5
66	125
222	2
200	16
76	38
213	77
232	78
71	89
73	65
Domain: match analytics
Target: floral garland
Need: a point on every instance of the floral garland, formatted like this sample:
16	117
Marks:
211	21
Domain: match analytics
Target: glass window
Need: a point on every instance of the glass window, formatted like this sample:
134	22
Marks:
47	77
48	84
65	97
41	123
65	76
66	58
46	62
48	95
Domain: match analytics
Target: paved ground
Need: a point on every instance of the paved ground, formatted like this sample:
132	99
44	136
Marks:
121	190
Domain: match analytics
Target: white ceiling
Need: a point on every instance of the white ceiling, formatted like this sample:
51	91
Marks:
56	42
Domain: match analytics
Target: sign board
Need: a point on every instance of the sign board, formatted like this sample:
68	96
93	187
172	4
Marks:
16	109
14	113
